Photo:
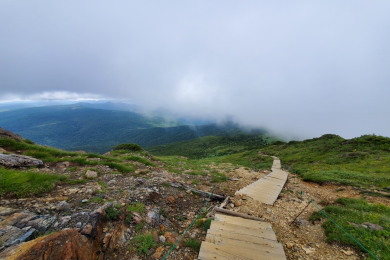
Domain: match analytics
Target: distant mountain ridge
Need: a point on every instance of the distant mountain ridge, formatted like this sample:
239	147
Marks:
82	127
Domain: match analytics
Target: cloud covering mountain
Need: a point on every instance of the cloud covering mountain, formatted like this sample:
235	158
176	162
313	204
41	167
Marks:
296	67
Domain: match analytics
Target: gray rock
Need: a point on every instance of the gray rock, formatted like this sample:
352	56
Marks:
140	180
84	201
372	226
63	206
302	222
112	182
65	220
15	160
153	217
91	174
8	211
28	235
162	239
41	222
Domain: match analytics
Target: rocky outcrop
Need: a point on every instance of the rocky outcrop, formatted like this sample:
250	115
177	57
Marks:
19	228
8	134
65	244
15	160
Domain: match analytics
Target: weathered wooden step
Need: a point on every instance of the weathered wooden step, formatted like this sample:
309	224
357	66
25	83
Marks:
226	239
242	222
212	251
224	227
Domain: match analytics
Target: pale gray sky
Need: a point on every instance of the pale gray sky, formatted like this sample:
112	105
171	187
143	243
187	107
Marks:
297	67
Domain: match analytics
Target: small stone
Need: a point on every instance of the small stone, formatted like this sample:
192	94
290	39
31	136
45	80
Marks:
289	245
91	174
112	182
157	254
171	199
155	235
87	230
347	252
302	222
231	205
162	239
72	191
237	203
63	206
84	201
372	226
79	224
170	237
162	227
308	250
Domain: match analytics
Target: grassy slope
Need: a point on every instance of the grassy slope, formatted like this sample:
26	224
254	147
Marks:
350	213
213	146
20	183
362	161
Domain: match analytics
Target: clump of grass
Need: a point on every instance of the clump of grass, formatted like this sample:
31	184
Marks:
193	243
203	223
357	211
112	213
219	177
26	183
128	147
136	207
144	243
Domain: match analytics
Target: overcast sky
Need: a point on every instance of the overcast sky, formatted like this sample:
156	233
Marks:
302	68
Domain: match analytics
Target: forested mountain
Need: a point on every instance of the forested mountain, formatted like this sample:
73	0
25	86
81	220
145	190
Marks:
81	127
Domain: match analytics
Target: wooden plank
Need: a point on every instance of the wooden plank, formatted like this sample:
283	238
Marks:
238	253
207	252
236	229
242	237
243	222
269	248
237	214
233	240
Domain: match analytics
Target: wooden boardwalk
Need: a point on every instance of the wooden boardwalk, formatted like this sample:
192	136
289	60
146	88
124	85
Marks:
233	238
237	238
267	189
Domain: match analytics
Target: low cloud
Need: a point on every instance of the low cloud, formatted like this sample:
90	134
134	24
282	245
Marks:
50	96
298	68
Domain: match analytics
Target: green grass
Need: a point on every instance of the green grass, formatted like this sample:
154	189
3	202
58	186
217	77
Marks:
203	223
193	243
128	147
358	211
142	160
213	146
362	161
144	243
112	213
136	207
26	183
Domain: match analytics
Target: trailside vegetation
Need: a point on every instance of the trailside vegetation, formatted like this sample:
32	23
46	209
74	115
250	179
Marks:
363	161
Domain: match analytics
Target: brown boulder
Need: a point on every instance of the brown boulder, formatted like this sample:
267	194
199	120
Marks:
66	244
8	134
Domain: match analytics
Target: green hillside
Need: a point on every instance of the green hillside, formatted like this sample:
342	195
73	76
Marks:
77	127
362	161
213	146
